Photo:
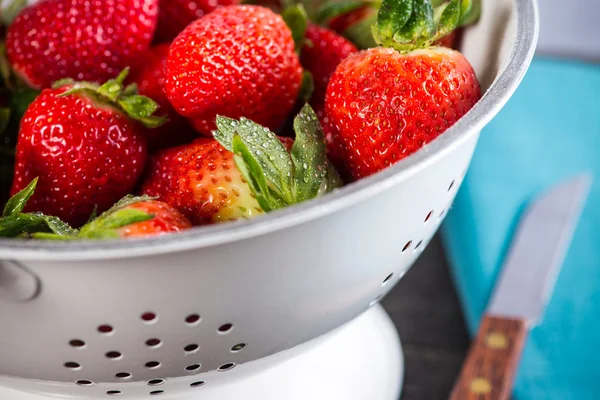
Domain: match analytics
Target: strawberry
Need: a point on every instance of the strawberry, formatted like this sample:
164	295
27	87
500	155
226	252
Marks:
165	219
175	15
201	180
86	144
89	40
236	61
207	183
150	81
129	217
386	103
320	56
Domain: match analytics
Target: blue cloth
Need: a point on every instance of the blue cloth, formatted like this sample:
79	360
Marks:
549	131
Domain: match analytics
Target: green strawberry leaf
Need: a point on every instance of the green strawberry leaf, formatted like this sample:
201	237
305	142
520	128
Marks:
253	173
472	16
20	224
51	236
14	223
10	12
331	9
16	203
126	99
409	24
5	68
308	155
118	216
265	148
113	88
297	20
307	88
360	33
277	178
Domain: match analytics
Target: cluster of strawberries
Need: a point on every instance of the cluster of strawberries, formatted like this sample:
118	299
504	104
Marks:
213	111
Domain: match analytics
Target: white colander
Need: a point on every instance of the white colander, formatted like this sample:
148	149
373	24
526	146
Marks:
177	315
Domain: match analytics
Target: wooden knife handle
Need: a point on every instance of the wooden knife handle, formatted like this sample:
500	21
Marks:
490	367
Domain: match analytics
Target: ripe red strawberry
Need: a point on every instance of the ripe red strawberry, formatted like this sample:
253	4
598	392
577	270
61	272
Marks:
236	61
175	15
89	40
150	81
320	56
85	145
165	219
384	104
203	181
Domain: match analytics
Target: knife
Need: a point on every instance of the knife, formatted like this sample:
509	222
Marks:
522	291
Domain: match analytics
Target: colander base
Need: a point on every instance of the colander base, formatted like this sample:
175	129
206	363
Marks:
362	360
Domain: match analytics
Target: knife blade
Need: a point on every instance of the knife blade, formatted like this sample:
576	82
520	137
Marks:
522	291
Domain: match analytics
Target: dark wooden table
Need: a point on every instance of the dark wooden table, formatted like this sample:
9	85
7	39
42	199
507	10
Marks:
424	306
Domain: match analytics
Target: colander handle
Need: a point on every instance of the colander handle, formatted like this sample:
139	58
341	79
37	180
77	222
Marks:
17	283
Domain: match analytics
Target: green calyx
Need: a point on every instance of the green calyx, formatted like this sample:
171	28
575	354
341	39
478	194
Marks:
15	223
277	178
115	94
335	8
296	19
410	24
307	87
9	12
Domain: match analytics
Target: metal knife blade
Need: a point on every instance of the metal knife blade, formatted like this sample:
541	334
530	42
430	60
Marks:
538	251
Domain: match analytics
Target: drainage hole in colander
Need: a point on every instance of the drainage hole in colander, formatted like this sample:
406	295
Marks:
197	384
191	348
149	317
113	355
418	245
429	216
84	382
238	347
72	365
406	246
78	343
106	329
113	392
156	392
155	382
442	214
387	279
152	364
451	186
192	319
123	375
226	367
193	367
154	342
225	328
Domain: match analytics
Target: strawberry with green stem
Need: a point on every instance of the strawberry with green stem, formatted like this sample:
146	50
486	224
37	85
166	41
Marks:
86	144
208	183
129	217
385	103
